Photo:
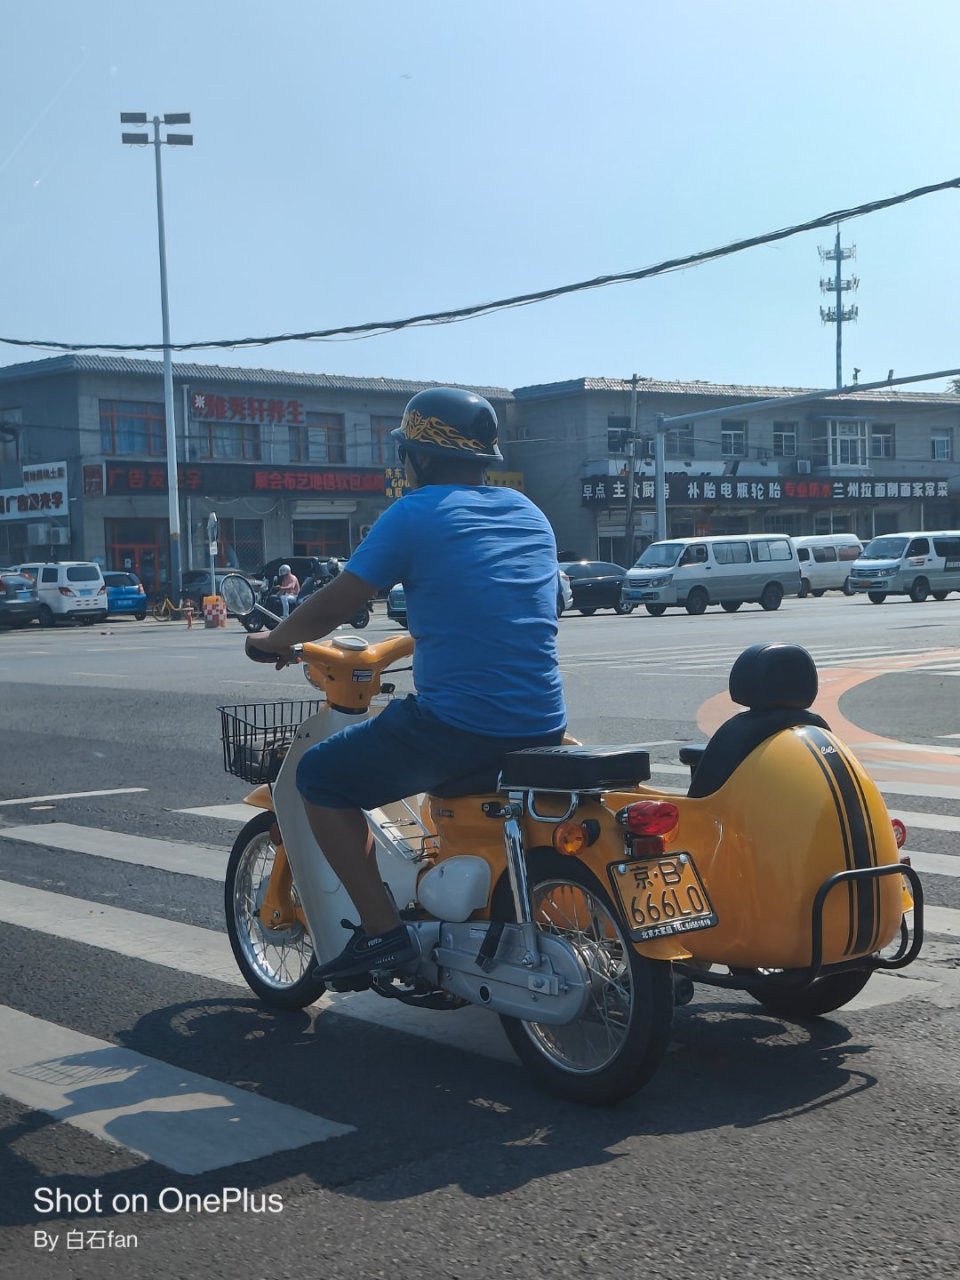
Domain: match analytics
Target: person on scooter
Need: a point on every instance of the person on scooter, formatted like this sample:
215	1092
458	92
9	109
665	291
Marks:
479	567
288	588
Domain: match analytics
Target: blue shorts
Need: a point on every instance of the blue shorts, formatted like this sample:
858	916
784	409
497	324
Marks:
403	751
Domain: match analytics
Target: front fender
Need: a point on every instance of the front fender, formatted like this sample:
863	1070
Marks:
260	798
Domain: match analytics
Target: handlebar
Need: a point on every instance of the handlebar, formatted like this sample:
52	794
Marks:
260	655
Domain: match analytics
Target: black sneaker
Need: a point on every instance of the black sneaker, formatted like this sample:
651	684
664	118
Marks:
364	953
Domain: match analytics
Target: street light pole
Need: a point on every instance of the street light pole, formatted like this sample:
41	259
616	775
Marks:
173	487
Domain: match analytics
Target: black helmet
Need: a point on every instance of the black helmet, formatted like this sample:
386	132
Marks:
448	422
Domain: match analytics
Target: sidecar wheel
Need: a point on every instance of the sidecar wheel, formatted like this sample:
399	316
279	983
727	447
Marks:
824	996
279	970
616	1046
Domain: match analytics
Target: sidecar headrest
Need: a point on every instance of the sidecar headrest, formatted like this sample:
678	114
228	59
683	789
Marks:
774	675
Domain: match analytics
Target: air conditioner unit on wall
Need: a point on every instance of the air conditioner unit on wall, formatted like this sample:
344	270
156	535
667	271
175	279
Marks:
59	537
804	466
38	535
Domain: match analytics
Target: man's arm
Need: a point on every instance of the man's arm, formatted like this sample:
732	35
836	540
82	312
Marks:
319	614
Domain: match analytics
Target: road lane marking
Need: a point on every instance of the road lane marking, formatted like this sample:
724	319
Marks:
205	953
164	855
908	746
942	920
224	812
184	1121
76	795
932	821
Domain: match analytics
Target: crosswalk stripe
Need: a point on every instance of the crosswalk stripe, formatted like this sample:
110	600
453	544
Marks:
223	812
935	864
933	821
165	855
206	953
74	795
184	1121
942	920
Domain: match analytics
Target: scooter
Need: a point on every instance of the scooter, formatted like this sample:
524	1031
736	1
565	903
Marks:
569	896
267	611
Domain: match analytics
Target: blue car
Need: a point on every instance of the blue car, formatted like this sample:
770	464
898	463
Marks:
125	594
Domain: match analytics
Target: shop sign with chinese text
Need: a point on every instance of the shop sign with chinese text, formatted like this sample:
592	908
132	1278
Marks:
227	480
43	492
681	489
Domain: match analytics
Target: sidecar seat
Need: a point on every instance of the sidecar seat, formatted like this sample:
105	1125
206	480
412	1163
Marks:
777	683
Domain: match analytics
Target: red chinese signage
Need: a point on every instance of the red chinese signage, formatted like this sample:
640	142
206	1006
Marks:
246	409
225	480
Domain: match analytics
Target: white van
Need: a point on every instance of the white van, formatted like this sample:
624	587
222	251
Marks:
920	564
825	560
73	590
759	568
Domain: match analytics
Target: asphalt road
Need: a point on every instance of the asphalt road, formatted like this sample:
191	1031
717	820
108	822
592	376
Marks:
417	1146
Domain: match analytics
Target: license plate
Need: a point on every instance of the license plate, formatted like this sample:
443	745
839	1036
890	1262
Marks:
661	896
85	592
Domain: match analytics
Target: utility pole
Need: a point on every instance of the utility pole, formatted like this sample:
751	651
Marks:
173	491
631	478
838	313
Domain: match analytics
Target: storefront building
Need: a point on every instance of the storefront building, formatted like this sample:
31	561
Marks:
865	464
297	464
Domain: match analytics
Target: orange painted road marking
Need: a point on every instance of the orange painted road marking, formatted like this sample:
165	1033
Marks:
886	758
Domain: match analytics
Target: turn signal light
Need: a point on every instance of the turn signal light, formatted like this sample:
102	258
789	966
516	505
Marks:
899	832
650	818
569	837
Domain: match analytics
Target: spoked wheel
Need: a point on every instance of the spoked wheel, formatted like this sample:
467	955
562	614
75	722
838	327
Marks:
614	1048
277	964
823	996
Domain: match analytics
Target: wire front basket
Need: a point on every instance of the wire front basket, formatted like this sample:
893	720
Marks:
257	735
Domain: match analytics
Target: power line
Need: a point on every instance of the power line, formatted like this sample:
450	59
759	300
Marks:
378	327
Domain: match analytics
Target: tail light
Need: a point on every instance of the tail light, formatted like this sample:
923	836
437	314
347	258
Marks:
103	590
650	818
140	590
899	832
65	591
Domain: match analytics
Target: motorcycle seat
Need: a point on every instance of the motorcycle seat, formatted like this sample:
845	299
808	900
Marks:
574	768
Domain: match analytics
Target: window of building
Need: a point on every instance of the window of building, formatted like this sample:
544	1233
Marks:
790	524
132	427
831	523
383	449
733	439
322	438
241	544
678	441
881	440
848	444
941	446
9	451
321	538
784	439
228	441
618	433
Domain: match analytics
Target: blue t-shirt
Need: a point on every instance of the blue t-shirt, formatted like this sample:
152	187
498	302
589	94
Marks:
478	565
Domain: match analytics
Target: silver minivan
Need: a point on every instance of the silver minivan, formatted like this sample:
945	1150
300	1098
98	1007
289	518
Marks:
825	560
730	570
919	564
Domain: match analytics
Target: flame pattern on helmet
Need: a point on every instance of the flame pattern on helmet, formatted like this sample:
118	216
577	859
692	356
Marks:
435	431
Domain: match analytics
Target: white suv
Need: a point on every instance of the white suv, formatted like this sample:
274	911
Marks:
73	590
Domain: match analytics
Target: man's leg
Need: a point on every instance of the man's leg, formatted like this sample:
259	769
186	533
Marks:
285	606
348	846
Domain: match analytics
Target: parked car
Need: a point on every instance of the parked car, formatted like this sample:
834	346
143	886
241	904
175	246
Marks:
73	591
125	594
596	584
397	605
195	584
728	570
564	592
19	603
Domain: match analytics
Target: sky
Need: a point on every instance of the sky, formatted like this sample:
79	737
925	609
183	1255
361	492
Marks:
368	160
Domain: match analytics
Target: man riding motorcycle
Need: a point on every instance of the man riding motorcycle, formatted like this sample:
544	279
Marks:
479	565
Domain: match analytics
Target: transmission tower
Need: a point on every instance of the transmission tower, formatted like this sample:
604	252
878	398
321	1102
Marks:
838	286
